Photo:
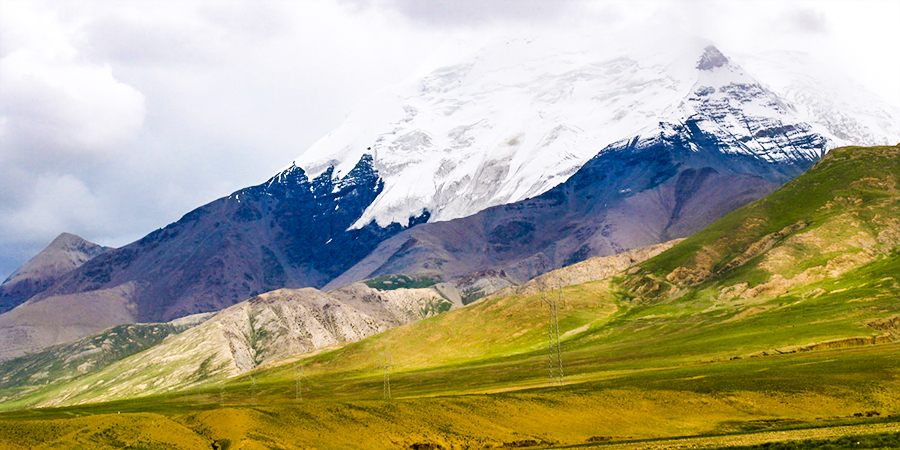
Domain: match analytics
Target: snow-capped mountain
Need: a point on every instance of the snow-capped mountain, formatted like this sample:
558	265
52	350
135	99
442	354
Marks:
826	98
543	152
520	116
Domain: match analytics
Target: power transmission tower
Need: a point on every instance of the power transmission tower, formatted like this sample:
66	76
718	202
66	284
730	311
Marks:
562	301
298	375
253	389
221	393
554	349
386	367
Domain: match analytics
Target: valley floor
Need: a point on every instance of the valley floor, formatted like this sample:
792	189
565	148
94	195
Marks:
815	437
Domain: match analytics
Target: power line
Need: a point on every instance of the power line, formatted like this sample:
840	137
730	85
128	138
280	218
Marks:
562	301
298	375
386	368
554	348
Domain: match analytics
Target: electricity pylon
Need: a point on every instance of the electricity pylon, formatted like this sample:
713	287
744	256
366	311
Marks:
561	301
298	375
554	349
386	367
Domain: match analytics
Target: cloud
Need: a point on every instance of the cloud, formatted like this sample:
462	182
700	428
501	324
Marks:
62	116
807	20
467	13
145	41
44	205
57	106
54	202
54	110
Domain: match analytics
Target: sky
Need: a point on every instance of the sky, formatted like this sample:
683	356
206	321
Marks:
117	118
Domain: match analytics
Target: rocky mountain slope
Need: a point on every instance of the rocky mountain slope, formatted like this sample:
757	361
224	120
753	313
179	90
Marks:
287	232
633	194
833	233
270	327
600	147
592	269
266	330
66	253
63	362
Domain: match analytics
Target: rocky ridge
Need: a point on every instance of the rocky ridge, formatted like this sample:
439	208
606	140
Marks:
267	328
66	253
63	362
593	269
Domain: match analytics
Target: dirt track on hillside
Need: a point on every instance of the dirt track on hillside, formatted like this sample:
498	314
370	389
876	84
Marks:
754	438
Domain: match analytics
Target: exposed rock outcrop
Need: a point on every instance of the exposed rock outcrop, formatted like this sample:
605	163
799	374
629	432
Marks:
66	253
266	328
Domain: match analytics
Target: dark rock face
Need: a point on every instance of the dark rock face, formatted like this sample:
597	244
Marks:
287	232
633	193
711	59
66	253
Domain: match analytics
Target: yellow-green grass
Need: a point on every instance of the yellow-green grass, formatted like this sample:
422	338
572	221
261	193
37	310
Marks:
852	191
670	361
100	432
785	391
878	441
501	344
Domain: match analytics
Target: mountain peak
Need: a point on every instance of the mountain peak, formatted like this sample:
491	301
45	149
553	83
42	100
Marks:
66	253
68	241
711	59
519	116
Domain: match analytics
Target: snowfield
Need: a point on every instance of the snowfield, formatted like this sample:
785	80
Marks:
519	116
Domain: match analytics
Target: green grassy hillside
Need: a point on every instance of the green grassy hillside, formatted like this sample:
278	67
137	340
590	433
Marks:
75	359
840	215
781	315
813	266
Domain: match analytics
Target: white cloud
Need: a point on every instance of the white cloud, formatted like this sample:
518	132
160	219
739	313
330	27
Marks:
56	106
52	108
61	115
55	202
468	13
807	20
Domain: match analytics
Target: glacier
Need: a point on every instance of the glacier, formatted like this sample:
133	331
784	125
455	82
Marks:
521	115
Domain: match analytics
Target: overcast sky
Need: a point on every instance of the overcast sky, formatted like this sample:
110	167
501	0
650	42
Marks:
116	118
